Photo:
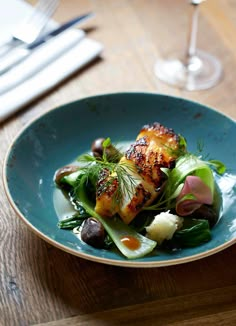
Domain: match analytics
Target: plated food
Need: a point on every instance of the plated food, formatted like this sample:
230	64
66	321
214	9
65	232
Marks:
59	136
155	194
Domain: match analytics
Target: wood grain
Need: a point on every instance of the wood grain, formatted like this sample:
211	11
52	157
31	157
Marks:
41	285
193	309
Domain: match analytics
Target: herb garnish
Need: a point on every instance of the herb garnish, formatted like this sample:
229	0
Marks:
122	173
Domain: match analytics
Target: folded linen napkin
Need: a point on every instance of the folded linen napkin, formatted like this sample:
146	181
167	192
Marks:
47	66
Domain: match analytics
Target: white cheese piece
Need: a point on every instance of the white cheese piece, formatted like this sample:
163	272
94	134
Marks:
163	226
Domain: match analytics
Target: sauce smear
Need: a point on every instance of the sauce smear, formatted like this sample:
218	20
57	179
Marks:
130	242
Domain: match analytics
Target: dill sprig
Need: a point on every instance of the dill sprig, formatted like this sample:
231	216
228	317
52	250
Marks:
123	174
126	181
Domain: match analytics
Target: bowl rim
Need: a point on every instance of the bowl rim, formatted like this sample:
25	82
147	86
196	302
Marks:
119	262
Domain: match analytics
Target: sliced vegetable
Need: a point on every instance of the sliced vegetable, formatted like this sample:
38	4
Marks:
187	189
128	241
71	178
193	194
186	165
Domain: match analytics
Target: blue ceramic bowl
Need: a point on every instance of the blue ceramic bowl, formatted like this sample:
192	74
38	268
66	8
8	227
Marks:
57	137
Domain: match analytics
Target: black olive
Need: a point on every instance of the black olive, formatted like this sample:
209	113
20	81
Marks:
93	233
65	170
97	147
112	153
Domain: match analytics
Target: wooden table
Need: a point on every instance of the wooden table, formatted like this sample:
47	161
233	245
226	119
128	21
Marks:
41	285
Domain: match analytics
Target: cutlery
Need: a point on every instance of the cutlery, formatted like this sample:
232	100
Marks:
21	53
28	30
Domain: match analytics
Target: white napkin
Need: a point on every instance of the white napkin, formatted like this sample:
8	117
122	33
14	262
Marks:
47	66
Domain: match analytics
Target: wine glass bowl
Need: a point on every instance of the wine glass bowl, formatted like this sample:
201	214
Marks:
202	71
197	69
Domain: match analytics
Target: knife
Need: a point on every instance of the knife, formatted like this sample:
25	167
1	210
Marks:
19	54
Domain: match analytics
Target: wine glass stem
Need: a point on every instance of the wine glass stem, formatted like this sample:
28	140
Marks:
192	41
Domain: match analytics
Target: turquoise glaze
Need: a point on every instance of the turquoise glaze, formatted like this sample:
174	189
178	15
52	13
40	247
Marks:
56	138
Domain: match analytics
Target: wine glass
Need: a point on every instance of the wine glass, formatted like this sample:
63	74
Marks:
197	70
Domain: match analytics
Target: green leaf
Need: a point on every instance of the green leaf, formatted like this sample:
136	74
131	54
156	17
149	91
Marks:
86	158
218	165
71	222
194	233
206	175
106	142
188	165
177	191
182	142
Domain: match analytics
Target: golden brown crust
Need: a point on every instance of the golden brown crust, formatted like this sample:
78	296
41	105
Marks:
141	197
106	188
156	147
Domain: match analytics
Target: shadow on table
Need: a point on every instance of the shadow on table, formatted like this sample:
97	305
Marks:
82	287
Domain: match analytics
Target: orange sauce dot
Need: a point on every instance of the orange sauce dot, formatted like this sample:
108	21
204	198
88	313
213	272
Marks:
130	242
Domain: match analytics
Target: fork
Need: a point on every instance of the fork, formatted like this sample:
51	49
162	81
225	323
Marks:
30	28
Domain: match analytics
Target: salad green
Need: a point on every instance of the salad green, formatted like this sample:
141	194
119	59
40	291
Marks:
188	192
